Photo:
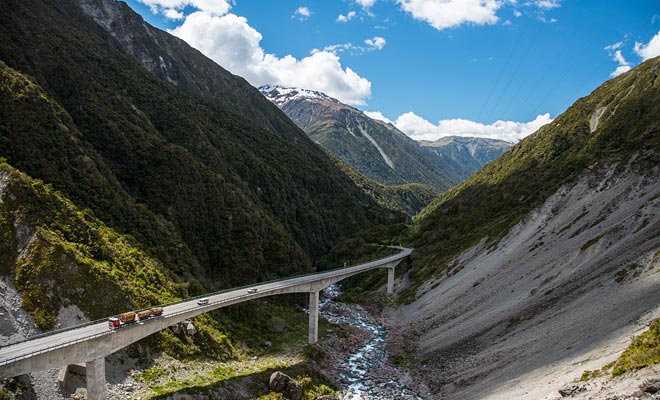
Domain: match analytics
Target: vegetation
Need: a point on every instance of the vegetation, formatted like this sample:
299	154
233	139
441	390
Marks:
497	197
591	242
570	224
246	380
513	321
409	198
589	375
146	192
644	350
62	256
201	187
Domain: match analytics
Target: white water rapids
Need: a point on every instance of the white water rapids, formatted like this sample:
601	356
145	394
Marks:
358	377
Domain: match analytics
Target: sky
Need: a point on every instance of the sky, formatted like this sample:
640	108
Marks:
434	68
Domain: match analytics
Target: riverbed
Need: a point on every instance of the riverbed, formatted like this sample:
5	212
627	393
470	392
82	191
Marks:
365	374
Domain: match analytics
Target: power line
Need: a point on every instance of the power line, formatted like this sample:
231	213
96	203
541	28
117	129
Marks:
551	65
593	40
506	64
515	72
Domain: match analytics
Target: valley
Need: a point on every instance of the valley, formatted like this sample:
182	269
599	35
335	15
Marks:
155	154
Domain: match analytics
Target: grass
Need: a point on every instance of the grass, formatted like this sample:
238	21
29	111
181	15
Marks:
570	224
588	375
513	321
644	350
245	377
591	242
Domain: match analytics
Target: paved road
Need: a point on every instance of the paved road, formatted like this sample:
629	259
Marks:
58	339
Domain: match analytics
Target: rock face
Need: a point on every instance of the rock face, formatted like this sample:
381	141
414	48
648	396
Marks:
283	383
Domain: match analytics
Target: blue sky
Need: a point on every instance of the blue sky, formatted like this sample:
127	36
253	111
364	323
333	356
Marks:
492	68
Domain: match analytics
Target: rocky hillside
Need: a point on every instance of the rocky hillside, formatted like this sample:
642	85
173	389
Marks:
209	188
375	149
471	153
545	262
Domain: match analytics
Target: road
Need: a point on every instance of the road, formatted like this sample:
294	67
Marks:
58	339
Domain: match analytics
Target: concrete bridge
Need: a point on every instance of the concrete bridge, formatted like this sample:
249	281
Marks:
91	343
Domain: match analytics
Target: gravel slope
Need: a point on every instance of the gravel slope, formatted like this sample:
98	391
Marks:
563	292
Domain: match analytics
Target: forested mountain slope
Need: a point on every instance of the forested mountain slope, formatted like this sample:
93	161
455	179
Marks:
202	185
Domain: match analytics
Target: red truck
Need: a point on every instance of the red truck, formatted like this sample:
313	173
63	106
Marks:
130	317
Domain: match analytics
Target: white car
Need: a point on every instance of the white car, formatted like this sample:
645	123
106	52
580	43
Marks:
203	302
253	290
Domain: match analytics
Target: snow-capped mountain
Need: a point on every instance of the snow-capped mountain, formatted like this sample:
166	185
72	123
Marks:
471	153
282	95
374	148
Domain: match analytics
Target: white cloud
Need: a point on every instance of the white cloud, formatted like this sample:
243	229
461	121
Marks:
420	129
171	13
443	14
302	13
620	70
347	17
215	7
366	3
547	4
338	48
231	42
615	46
516	13
376	42
614	51
377	115
650	49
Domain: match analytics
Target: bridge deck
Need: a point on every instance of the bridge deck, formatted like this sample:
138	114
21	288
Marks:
98	332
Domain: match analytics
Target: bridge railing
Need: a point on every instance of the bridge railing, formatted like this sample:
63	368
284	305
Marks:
378	262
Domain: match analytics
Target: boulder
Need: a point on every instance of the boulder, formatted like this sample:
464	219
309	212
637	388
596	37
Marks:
650	386
283	383
570	390
190	329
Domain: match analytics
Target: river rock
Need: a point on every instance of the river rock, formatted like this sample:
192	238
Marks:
283	383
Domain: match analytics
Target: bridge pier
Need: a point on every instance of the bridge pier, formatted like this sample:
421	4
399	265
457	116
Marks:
95	371
313	317
390	280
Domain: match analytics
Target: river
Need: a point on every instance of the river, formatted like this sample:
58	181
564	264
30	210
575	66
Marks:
365	374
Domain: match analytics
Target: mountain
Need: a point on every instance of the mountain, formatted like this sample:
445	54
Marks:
544	263
373	148
409	198
221	193
174	61
471	153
